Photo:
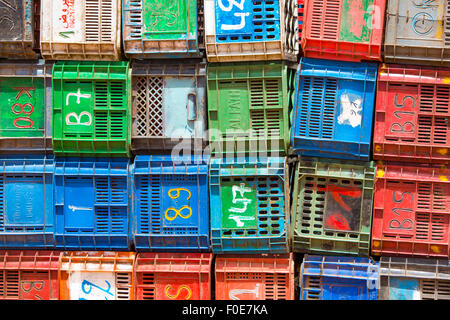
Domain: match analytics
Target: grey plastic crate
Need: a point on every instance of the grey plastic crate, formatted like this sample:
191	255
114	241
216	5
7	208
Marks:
418	32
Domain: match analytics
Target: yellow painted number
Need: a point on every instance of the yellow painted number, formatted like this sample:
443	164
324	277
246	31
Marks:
180	288
178	211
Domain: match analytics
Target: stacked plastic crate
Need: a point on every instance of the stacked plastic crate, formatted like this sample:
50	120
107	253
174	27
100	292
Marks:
251	48
412	148
334	103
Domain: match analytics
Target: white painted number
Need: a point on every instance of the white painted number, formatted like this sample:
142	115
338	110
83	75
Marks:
241	15
78	119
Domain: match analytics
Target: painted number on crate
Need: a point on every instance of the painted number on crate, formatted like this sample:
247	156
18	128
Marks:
403	116
422	23
162	14
68	14
23	111
240	212
351	108
174	213
401	208
83	118
233	16
183	292
30	288
92	285
235	293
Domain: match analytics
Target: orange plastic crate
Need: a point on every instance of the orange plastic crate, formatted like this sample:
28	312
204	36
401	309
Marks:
97	275
255	277
173	276
29	275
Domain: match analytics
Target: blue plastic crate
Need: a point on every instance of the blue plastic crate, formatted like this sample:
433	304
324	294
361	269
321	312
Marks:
338	278
26	202
333	109
249	205
92	204
170	203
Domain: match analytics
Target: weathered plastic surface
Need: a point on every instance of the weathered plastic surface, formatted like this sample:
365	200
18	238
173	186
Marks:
248	107
92	206
29	275
160	29
254	277
173	276
411	210
346	30
417	32
26	202
333	109
170	203
412	114
91	108
250	30
332	207
26	95
249	205
301	11
338	278
81	30
169	106
97	275
414	279
17	29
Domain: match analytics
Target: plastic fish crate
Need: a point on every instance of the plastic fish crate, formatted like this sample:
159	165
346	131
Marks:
333	109
417	32
29	275
92	204
91	108
338	278
97	275
169	105
173	276
170	203
248	107
412	115
17	30
249	204
26	202
26	92
347	30
254	277
161	29
81	30
411	210
251	30
332	207
414	279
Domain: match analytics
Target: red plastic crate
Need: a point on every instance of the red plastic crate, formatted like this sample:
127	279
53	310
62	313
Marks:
301	11
412	117
411	210
29	275
255	277
336	29
173	276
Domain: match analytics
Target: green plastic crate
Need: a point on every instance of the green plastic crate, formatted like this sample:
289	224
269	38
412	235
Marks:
248	107
91	108
332	207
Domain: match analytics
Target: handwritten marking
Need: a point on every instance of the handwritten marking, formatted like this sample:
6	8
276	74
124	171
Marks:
180	288
75	208
233	293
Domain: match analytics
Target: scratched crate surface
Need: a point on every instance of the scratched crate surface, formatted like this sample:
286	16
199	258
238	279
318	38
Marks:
81	30
411	210
173	276
346	30
26	202
412	114
91	108
338	278
25	92
29	275
97	275
92	207
248	107
161	29
251	30
249	203
17	31
332	207
254	277
333	109
414	279
417	32
171	205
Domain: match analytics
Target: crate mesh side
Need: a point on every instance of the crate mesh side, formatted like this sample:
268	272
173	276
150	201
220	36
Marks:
433	289
149	106
134	19
2	204
99	20
325	19
148	286
313	287
447	26
123	285
12	284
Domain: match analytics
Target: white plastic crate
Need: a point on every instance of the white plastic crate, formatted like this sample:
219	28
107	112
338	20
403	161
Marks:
251	30
81	30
